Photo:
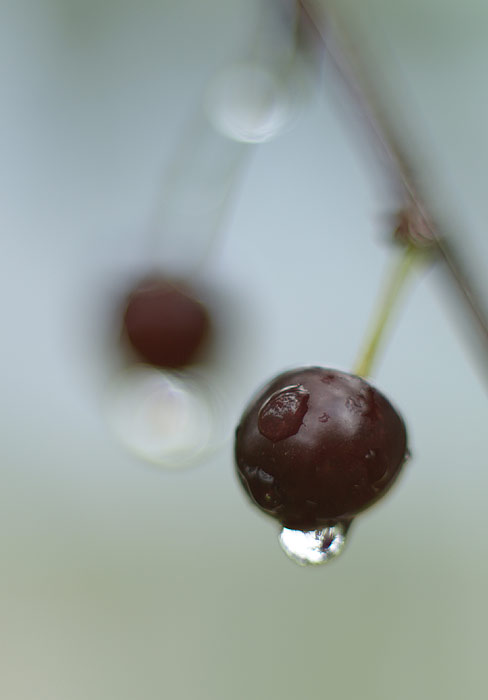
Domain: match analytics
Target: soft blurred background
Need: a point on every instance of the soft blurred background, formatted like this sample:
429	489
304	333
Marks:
121	579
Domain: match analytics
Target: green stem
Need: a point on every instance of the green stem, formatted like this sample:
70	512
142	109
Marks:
399	275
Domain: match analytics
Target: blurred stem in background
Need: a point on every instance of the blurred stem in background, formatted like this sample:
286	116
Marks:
368	103
248	102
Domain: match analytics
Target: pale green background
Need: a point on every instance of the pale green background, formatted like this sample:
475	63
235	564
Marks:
120	581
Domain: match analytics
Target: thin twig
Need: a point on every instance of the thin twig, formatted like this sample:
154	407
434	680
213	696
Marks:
400	273
368	104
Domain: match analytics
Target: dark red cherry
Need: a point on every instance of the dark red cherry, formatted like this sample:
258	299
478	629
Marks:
318	445
165	324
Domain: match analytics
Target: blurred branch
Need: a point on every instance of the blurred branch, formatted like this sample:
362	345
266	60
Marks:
350	71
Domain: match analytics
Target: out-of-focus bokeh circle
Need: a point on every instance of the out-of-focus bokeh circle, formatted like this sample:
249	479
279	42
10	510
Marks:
247	102
164	417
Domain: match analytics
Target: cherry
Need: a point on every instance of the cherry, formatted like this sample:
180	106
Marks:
318	446
165	324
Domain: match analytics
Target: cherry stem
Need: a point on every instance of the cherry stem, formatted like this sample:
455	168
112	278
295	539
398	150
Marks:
399	275
349	67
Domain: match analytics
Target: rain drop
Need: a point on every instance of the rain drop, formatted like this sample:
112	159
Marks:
248	103
164	417
315	546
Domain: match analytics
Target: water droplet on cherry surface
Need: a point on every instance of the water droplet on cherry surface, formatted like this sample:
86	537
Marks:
282	414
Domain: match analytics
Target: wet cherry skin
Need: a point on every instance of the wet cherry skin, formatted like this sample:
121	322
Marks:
164	323
317	445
